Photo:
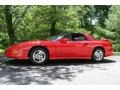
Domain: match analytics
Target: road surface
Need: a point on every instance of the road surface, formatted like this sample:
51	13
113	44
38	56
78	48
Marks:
61	72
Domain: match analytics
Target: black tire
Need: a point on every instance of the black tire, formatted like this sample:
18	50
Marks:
99	56
36	56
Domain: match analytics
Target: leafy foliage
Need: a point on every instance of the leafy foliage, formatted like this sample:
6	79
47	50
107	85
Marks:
41	22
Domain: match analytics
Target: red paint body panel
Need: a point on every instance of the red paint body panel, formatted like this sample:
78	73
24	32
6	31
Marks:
59	50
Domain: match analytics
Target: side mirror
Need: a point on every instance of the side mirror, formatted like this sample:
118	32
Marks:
64	40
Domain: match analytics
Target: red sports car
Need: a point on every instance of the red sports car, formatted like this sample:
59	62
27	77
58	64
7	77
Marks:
63	46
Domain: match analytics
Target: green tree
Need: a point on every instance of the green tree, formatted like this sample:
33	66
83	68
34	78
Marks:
113	22
12	24
101	14
10	29
23	23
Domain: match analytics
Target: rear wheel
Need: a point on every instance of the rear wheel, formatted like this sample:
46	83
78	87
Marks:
39	56
98	55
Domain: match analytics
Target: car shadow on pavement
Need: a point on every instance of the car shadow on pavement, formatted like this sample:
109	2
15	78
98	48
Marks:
57	62
24	73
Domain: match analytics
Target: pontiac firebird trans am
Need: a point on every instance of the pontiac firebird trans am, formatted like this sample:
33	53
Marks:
64	46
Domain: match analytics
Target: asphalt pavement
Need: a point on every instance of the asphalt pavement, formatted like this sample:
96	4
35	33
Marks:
73	72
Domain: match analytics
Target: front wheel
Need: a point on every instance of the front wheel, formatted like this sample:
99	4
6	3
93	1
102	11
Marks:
98	55
39	56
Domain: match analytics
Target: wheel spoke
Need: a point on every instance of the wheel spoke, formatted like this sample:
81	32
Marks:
98	55
38	56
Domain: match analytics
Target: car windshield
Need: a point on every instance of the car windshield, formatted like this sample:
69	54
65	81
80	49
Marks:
57	37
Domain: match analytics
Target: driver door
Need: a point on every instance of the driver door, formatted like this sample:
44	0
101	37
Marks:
65	49
73	48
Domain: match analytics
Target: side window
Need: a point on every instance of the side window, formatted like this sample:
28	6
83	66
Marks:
82	38
78	37
68	37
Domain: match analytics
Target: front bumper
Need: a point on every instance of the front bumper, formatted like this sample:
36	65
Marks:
16	54
4	59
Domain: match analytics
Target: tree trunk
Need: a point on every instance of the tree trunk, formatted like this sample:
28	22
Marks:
53	20
53	29
10	29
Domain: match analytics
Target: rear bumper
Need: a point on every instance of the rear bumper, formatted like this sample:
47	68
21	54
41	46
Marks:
109	53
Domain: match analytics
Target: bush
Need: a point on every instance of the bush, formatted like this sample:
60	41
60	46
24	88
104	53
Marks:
1	49
4	40
116	47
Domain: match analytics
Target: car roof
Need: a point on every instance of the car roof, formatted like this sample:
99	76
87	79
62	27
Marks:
67	33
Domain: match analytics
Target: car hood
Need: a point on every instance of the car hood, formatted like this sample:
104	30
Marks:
29	43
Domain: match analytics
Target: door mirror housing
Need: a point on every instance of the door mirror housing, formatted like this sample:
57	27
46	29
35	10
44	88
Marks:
63	40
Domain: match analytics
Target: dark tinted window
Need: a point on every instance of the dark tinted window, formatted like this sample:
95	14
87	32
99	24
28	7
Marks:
78	37
68	37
